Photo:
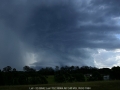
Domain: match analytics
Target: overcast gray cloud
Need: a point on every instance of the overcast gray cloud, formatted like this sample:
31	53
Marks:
48	33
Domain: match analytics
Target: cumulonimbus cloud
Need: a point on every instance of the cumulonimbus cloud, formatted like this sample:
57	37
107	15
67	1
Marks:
41	34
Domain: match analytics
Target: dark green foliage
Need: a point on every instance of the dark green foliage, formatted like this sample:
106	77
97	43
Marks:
9	76
22	79
79	77
1	78
96	76
105	71
43	80
7	69
59	78
46	71
68	74
115	73
69	77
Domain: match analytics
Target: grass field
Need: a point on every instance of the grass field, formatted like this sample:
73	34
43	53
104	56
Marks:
96	85
50	79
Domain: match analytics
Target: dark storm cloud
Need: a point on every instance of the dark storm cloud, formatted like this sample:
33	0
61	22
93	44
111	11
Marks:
10	50
56	32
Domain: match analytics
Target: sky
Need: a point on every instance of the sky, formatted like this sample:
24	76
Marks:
42	33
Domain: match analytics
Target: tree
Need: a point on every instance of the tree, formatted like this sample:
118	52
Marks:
26	68
15	75
56	68
97	76
7	69
59	77
79	77
1	78
14	69
22	79
8	76
115	74
105	71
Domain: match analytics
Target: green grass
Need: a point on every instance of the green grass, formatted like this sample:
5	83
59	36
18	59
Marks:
50	79
96	85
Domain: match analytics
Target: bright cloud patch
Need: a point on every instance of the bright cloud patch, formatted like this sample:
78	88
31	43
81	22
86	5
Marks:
31	58
118	36
106	58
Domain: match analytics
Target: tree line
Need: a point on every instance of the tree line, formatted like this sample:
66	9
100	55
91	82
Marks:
10	76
